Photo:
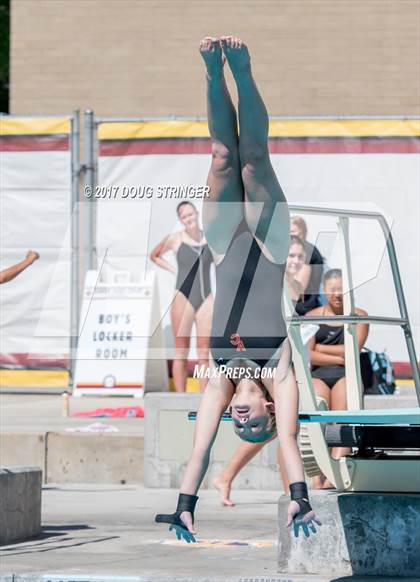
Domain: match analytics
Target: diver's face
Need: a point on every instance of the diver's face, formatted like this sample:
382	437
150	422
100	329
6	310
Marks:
250	410
295	259
188	216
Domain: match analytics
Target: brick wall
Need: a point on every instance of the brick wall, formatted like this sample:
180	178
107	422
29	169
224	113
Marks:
139	57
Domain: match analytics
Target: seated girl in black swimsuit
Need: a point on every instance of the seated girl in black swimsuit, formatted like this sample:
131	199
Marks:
327	354
246	221
193	300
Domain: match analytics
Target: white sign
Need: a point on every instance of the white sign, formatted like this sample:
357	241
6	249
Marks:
120	348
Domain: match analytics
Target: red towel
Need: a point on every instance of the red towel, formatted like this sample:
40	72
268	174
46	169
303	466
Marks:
122	412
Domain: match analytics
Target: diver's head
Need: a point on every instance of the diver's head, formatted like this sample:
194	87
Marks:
251	407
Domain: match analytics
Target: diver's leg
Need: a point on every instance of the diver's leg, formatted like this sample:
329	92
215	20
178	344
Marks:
266	207
223	209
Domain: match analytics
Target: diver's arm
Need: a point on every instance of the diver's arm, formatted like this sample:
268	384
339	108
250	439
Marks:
214	402
286	399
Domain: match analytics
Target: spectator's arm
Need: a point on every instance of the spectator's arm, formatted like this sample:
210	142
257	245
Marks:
362	333
10	273
362	329
320	359
163	247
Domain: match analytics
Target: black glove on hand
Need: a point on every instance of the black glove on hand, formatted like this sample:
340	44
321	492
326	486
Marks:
299	493
306	517
185	503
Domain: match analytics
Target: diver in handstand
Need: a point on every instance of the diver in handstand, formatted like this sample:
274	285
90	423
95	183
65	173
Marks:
246	224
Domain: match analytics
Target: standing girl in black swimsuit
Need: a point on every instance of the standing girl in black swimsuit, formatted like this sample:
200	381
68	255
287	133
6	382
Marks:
193	300
327	355
246	221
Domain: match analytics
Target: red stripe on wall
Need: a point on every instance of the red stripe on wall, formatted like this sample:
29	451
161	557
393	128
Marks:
345	146
35	143
403	369
34	361
134	386
144	147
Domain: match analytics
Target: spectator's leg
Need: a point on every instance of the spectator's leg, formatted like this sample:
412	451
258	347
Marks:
339	402
203	329
323	391
241	457
282	469
182	319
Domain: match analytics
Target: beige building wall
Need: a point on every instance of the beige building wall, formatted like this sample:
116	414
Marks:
139	57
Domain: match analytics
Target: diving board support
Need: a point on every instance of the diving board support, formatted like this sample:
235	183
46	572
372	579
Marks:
330	467
354	386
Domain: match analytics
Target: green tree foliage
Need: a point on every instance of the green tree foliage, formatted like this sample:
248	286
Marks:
4	55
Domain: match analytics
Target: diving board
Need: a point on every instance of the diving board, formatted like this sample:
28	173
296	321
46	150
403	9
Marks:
400	416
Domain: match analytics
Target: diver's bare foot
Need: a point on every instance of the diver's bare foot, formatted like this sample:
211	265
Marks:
237	55
223	488
327	485
211	51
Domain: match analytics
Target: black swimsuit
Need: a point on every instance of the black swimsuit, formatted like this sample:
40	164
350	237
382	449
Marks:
331	335
247	318
193	277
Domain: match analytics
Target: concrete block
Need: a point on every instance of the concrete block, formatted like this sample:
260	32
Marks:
20	503
23	450
168	438
365	534
379	401
94	458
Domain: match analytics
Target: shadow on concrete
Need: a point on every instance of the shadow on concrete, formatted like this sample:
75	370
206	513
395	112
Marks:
361	578
87	490
47	531
43	543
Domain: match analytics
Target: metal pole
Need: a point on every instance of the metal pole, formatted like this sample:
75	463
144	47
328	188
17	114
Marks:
354	387
75	194
335	212
298	320
89	167
401	303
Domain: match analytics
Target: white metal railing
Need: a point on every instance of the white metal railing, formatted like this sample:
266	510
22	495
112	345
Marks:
350	319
